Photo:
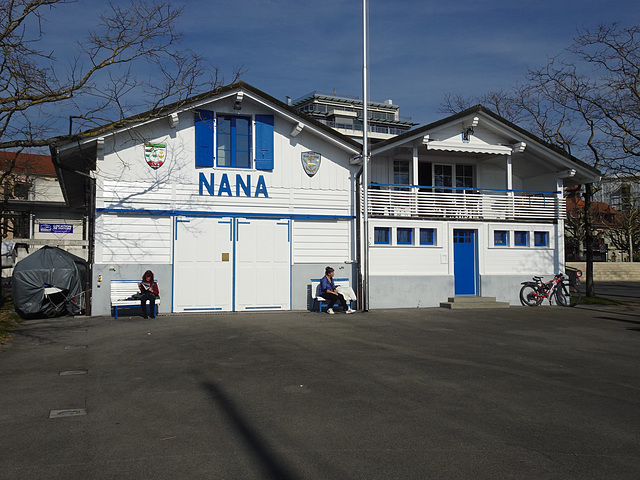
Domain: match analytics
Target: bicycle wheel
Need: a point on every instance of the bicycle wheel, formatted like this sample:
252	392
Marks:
568	296
529	297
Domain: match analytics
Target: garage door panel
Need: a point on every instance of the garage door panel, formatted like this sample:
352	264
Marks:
202	273
263	276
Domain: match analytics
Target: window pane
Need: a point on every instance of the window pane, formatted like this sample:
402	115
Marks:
405	236
381	235
224	142
242	159
520	239
426	236
541	239
500	238
464	176
443	176
242	126
400	173
224	158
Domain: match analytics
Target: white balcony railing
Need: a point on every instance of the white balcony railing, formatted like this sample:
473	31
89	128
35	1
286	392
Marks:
439	202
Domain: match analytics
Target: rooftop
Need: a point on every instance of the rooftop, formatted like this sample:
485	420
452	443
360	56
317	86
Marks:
27	163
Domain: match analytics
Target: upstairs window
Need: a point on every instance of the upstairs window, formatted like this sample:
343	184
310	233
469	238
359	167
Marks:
234	137
234	142
464	177
400	173
443	177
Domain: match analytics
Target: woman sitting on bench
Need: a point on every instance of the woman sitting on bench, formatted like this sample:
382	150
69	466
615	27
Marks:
149	290
330	294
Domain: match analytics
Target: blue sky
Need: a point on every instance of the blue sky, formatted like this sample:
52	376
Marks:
419	50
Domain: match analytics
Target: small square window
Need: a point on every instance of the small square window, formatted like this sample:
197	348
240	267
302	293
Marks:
405	236
427	236
541	239
521	239
501	238
381	235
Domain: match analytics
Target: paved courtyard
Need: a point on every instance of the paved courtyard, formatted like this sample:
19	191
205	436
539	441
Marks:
521	393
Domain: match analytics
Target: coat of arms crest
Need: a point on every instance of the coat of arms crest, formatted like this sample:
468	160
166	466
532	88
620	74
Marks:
154	154
311	162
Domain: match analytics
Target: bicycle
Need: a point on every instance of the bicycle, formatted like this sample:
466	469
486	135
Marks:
532	294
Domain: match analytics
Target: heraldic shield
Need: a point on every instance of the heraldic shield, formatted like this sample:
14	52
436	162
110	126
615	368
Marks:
311	162
154	154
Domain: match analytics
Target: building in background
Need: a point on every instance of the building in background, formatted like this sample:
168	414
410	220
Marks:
606	223
344	113
34	212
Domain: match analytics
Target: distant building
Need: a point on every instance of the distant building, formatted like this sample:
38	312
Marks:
619	191
605	220
34	212
344	114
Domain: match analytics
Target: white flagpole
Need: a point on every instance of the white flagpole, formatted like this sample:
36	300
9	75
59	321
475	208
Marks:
365	156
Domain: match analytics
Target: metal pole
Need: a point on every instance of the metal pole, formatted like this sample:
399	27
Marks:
365	156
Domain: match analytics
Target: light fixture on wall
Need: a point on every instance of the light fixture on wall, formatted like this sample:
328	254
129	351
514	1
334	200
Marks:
466	134
238	103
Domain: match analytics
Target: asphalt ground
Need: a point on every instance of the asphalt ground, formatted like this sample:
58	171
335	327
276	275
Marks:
518	393
622	291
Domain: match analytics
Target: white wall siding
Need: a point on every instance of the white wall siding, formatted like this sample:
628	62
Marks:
512	259
414	260
133	239
322	241
125	181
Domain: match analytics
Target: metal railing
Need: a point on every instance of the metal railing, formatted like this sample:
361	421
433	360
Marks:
456	203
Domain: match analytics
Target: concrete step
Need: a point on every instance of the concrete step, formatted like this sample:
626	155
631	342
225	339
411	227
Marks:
472	301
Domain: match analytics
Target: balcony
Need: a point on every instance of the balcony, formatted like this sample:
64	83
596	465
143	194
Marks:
455	203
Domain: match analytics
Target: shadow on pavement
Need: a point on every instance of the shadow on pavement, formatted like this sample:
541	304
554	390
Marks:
273	468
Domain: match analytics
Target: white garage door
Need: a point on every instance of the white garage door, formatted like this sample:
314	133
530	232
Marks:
231	264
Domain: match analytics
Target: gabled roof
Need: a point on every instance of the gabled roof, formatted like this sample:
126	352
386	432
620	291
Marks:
518	133
200	99
27	163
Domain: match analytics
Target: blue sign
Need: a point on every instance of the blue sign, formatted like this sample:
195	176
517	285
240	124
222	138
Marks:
55	228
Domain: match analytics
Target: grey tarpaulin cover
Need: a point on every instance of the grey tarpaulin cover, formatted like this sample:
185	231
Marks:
45	268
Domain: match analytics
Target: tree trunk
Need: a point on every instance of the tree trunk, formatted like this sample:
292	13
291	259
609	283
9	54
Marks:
588	238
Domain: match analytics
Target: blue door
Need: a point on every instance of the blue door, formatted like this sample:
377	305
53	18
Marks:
465	264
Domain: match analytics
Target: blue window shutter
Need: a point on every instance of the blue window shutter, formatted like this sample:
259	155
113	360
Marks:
204	138
264	142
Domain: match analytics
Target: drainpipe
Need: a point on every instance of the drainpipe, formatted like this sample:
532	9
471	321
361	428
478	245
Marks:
359	244
365	156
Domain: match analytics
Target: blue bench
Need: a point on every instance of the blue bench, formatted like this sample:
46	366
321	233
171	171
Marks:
317	302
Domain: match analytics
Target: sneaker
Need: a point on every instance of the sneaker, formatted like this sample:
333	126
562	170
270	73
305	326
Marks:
349	310
330	311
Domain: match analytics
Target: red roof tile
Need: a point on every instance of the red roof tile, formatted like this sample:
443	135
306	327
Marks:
27	163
